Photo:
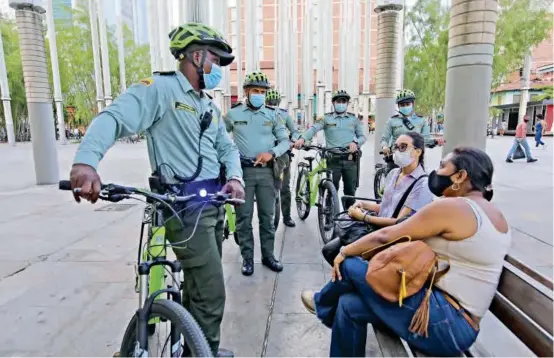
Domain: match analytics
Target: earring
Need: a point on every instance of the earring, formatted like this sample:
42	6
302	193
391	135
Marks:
455	186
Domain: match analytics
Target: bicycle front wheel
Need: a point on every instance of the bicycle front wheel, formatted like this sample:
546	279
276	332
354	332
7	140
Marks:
159	344
379	182
302	193
327	210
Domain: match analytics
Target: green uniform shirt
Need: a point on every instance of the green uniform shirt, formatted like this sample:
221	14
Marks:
395	128
169	110
255	131
289	123
340	129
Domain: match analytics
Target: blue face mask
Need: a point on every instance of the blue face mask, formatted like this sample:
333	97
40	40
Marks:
406	110
340	107
257	100
212	79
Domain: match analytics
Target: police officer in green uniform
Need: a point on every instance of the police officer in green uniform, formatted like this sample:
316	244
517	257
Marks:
255	129
342	129
169	107
406	121
272	99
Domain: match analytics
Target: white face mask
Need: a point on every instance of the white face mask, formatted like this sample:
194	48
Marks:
402	159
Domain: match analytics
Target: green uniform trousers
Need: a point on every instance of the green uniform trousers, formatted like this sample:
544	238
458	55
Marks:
285	191
203	284
348	171
259	183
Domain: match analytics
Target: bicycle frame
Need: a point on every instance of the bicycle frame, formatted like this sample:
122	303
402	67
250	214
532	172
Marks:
314	179
231	217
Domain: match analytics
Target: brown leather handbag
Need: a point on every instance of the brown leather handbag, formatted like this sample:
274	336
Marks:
401	270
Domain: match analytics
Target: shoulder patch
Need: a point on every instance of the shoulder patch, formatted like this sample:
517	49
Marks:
165	73
270	108
147	81
236	104
329	113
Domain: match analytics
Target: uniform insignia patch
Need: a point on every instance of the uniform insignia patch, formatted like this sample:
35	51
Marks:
147	81
184	107
331	124
267	123
238	123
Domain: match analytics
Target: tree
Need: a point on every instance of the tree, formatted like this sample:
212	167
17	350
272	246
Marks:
546	94
16	84
521	25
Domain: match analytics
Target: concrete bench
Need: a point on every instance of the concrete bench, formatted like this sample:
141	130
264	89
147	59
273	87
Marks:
523	304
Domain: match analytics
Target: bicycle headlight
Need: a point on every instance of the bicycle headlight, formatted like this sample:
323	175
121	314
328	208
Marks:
203	193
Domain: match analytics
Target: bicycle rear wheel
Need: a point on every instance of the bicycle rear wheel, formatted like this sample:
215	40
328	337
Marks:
327	210
159	345
302	193
379	182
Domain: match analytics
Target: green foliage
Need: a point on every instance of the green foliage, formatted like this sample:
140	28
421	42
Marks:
546	93
76	65
14	70
521	25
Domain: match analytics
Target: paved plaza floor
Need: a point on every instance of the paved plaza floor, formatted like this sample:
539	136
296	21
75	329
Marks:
67	274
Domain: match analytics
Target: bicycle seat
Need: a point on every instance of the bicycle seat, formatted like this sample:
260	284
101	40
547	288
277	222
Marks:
309	159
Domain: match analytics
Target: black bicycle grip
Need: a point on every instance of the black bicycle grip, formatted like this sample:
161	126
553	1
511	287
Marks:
64	185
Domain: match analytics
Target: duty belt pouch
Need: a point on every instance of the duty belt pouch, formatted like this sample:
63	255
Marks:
279	164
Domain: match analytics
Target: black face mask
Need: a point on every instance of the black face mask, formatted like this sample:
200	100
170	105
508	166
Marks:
438	183
488	194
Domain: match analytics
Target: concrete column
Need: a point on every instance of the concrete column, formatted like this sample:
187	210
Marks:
469	72
197	11
56	73
96	56
104	53
168	61
328	104
320	100
28	18
152	15
238	58
367	58
387	62
525	86
120	48
251	36
5	96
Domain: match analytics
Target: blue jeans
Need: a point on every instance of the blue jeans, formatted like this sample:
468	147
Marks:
348	306
524	144
538	139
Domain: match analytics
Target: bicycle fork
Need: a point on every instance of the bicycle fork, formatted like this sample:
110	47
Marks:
145	305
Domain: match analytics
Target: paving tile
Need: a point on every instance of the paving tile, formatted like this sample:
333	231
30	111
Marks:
298	335
294	279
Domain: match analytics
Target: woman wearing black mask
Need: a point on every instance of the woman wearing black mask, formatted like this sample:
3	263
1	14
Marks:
462	227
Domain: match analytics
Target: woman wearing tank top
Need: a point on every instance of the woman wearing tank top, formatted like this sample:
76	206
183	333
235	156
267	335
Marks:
464	227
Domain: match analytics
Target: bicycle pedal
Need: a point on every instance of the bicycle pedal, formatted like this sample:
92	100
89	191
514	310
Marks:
137	290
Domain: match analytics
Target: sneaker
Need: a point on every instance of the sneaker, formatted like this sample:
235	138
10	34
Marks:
532	160
307	298
509	160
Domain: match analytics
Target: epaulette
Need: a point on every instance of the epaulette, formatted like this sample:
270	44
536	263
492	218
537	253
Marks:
329	113
396	116
165	73
207	94
353	114
284	110
236	104
270	108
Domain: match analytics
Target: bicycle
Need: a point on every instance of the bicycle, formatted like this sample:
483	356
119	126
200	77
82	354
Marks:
309	184
383	169
152	263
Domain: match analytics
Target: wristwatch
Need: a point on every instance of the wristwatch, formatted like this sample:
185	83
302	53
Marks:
239	179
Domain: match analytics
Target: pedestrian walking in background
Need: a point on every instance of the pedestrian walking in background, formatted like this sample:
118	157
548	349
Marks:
521	139
540	127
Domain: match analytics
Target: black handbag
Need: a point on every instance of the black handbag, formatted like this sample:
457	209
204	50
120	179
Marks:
519	153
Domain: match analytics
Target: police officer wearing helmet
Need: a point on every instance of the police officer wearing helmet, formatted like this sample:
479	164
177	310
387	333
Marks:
256	128
272	99
406	121
342	129
181	124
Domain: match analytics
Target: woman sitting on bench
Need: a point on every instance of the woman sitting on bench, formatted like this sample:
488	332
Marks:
406	191
463	228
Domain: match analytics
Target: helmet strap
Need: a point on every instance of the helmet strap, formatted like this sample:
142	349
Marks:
200	67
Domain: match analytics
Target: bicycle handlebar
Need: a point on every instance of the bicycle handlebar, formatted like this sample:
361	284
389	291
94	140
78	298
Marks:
116	193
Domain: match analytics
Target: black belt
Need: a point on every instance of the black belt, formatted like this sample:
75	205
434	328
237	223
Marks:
250	164
210	185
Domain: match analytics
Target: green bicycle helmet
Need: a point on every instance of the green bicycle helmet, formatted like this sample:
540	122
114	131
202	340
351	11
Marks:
340	94
256	79
272	97
192	36
405	95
